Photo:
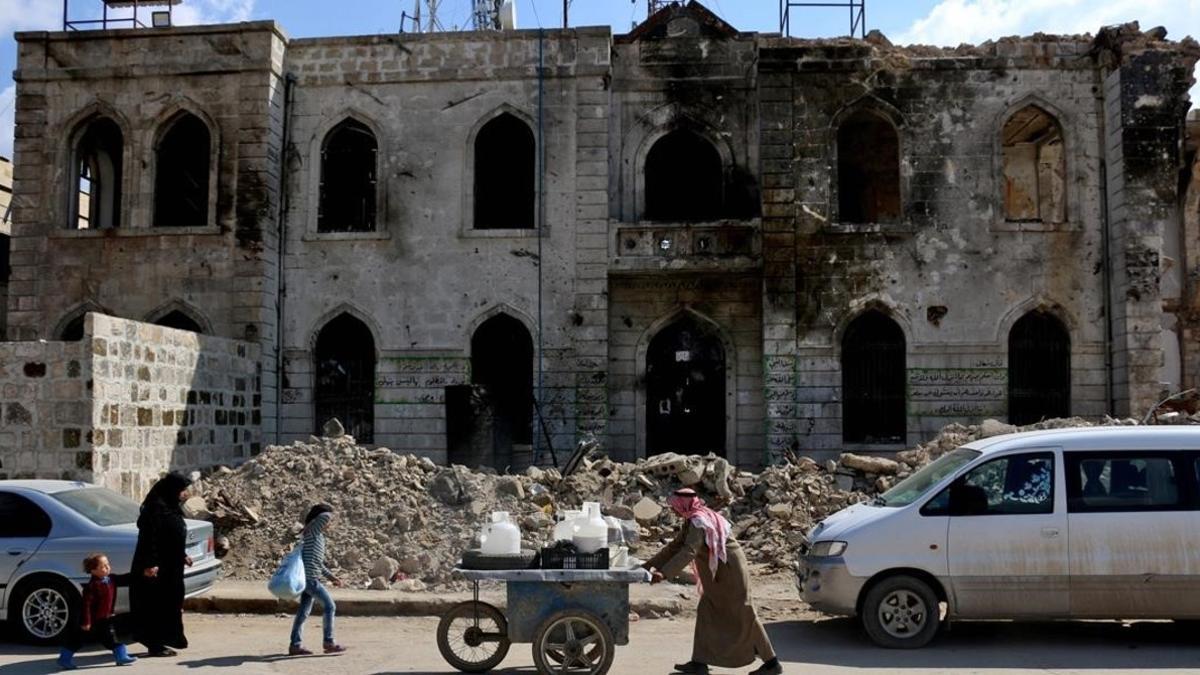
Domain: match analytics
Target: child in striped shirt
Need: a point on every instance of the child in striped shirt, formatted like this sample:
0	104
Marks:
313	553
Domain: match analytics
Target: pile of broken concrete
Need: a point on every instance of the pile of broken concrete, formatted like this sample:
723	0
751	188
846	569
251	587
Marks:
402	521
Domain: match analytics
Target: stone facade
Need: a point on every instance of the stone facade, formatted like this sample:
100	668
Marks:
126	403
721	314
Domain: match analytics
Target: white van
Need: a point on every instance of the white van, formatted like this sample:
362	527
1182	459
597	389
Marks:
1094	523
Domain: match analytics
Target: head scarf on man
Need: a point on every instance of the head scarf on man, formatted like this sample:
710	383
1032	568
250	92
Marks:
688	505
165	493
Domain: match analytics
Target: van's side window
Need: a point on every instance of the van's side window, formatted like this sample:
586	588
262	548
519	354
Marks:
1009	485
1099	483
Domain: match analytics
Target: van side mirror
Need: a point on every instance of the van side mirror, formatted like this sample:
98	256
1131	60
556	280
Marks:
967	500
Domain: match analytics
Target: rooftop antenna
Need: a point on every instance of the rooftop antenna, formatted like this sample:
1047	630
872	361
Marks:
158	19
653	6
857	8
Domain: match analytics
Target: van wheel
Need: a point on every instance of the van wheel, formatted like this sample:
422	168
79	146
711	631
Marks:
42	609
901	612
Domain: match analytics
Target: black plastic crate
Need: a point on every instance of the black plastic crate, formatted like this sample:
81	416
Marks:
558	559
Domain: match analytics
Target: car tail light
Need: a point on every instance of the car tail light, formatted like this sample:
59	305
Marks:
208	545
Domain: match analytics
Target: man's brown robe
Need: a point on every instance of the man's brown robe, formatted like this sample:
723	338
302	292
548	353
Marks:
728	632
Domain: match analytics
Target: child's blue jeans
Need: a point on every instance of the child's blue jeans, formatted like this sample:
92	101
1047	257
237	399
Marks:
313	590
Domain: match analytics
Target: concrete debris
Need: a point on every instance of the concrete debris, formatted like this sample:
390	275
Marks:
333	428
405	521
869	464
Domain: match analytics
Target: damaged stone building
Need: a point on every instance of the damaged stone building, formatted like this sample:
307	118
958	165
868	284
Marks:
684	238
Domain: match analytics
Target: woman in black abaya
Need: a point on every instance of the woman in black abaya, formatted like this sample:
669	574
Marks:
156	589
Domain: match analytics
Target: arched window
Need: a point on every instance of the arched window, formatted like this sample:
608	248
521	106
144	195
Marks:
684	179
1035	167
179	320
505	167
345	377
868	158
349	158
181	180
502	362
94	190
874	378
73	331
1039	369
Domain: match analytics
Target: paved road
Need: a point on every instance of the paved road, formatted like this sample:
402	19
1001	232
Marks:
252	644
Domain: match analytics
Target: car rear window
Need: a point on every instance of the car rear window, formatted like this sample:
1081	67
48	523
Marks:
100	505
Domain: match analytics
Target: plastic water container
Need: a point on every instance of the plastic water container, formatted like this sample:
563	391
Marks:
592	532
565	529
501	536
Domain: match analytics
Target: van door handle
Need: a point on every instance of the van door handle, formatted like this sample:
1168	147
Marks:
15	551
1050	532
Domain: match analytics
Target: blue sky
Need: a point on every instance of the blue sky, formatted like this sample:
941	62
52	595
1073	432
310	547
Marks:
944	22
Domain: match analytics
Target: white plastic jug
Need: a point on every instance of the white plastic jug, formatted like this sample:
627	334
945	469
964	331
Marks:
565	529
592	532
501	536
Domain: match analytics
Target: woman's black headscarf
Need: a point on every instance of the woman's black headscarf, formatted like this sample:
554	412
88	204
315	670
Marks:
165	493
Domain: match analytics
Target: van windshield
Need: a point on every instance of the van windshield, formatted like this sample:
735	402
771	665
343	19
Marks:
915	486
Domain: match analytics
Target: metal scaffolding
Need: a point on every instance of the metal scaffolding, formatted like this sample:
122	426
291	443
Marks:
106	20
857	9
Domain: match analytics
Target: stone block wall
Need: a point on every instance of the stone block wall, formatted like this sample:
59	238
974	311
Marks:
45	410
127	403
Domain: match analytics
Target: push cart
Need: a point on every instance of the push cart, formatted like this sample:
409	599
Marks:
573	618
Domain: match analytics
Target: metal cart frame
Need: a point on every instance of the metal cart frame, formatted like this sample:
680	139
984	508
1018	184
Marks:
574	619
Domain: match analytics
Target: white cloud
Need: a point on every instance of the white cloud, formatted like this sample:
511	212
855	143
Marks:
212	11
29	15
953	22
8	99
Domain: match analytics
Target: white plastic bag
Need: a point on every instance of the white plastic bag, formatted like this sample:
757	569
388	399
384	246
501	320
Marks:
287	583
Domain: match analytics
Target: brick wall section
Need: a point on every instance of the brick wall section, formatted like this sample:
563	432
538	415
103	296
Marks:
45	410
169	399
127	403
1144	104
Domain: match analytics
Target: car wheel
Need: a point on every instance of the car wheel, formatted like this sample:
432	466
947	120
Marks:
901	612
43	608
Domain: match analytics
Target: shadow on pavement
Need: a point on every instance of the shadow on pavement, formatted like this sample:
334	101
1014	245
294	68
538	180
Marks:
1048	646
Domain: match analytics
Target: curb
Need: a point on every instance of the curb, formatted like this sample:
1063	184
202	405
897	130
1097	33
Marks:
388	605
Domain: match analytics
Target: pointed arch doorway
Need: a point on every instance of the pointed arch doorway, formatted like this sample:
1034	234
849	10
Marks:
685	389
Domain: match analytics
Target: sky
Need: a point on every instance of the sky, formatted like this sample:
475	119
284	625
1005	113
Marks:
938	22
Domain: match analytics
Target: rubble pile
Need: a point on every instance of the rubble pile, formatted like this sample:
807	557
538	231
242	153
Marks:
402	521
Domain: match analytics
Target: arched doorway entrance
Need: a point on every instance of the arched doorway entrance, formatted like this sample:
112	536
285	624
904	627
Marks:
1039	369
873	380
502	366
345	377
685	389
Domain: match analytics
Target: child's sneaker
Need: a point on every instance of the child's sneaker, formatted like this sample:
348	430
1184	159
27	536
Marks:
333	648
66	659
122	657
297	650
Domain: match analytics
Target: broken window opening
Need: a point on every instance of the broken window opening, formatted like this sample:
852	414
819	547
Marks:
505	168
73	331
868	156
1035	167
181	182
180	321
874	379
684	179
502	369
1039	369
685	389
349	166
95	188
345	377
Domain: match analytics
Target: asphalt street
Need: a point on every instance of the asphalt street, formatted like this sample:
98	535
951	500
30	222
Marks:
255	644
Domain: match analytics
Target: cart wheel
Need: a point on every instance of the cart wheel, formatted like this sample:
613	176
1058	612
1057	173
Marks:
473	637
572	642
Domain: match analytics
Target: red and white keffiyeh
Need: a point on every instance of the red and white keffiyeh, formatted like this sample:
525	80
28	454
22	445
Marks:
687	504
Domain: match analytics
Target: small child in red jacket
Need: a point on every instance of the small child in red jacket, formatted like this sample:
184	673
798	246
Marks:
95	620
